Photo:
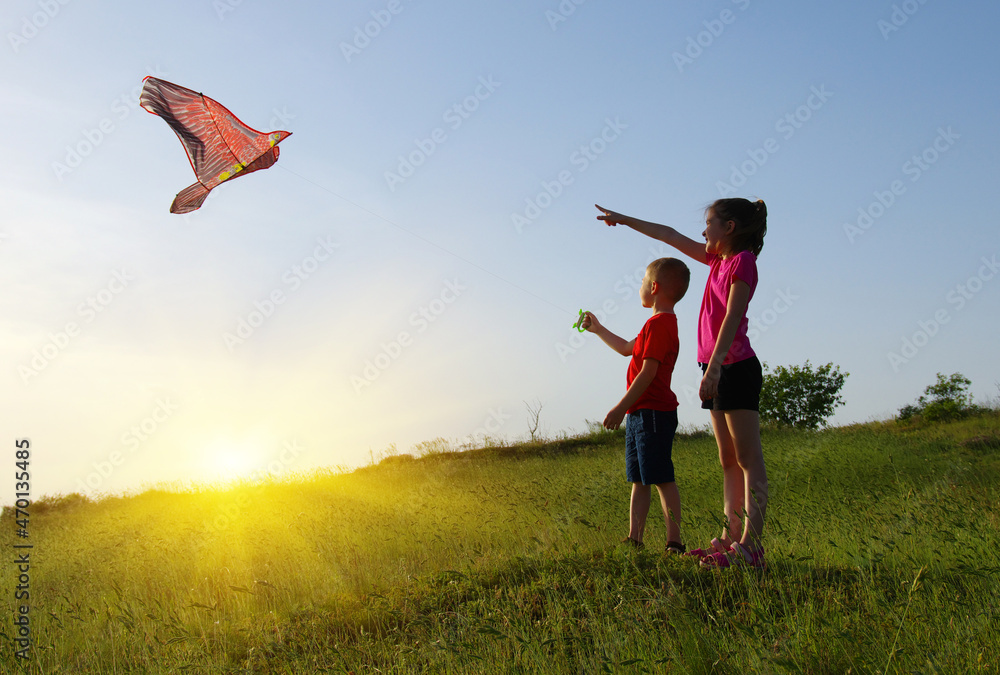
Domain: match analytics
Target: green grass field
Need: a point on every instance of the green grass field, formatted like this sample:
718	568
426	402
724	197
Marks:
882	550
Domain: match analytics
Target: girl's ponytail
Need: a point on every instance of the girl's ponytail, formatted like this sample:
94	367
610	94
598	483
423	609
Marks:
758	225
751	222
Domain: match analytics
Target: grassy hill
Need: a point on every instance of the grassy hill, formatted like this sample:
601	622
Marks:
882	550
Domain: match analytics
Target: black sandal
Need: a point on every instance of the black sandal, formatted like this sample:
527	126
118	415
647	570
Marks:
675	547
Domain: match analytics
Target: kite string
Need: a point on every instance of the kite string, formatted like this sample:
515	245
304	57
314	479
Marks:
428	241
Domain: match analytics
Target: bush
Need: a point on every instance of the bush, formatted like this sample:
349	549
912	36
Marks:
946	399
798	396
433	448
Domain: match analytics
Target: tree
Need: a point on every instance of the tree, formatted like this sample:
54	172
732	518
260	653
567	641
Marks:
533	414
799	396
946	399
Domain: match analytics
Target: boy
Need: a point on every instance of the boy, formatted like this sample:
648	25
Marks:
651	406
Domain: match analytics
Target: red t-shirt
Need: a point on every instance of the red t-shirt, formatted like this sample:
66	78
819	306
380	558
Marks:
657	340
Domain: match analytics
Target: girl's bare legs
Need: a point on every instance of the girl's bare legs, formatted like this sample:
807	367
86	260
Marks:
744	428
744	477
732	479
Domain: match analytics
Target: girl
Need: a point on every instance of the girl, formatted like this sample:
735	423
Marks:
730	388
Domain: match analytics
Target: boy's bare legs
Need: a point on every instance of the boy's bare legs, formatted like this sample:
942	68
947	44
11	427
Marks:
670	502
744	476
638	510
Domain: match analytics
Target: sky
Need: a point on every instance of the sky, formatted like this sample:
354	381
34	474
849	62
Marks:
410	269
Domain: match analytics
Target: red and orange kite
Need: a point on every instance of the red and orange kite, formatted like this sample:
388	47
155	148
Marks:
219	146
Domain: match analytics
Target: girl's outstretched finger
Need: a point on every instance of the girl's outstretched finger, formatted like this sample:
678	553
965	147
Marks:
607	216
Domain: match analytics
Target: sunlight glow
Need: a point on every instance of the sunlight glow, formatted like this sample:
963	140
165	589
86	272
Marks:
226	459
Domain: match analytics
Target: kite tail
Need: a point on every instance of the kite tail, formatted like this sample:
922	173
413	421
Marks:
189	199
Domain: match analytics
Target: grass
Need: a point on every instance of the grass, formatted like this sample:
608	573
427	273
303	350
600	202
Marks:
882	552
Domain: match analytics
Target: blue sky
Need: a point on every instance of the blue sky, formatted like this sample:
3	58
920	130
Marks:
429	231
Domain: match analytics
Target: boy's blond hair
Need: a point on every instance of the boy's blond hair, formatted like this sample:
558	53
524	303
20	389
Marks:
672	274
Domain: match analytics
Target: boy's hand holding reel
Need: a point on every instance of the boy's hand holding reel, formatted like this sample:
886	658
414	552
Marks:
585	321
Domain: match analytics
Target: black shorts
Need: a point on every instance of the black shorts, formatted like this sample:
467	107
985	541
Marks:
739	386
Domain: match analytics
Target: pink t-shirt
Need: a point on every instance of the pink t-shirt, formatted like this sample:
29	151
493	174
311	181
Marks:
722	273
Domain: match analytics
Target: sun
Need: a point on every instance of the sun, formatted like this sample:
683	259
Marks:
226	460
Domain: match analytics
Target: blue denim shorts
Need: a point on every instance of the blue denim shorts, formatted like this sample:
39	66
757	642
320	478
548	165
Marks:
649	439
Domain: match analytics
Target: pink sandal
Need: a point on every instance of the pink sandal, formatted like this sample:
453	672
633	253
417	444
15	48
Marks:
736	556
716	547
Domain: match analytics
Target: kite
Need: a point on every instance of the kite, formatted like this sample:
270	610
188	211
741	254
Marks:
219	146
